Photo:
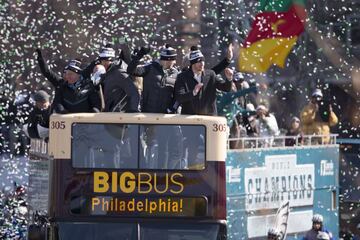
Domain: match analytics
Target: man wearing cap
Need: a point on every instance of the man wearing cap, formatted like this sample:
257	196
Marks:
73	93
158	97
317	117
196	87
195	90
158	80
38	123
317	231
120	93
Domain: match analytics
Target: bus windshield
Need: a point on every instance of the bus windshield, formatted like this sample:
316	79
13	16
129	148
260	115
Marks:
148	231
137	146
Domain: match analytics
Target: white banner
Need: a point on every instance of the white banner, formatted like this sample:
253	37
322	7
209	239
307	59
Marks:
280	180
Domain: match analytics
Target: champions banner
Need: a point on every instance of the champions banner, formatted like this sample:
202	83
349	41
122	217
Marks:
259	182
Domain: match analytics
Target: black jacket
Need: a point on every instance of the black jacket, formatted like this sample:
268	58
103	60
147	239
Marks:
204	103
38	117
78	97
158	86
120	92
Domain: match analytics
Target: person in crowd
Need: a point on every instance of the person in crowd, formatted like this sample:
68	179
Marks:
273	234
73	93
317	227
249	121
237	131
230	104
244	125
120	92
241	84
38	122
317	117
294	130
196	87
267	125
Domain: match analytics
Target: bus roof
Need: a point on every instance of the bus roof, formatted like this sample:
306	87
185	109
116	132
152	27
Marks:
61	125
138	118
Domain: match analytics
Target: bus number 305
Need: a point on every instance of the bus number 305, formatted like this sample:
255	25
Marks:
219	127
58	125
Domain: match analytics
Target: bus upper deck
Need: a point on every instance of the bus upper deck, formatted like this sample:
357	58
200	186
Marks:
137	176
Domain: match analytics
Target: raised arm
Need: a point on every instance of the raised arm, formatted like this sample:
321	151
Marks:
133	68
225	62
50	75
224	85
87	71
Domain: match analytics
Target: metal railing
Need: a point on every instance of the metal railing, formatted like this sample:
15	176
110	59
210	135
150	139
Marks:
38	148
281	141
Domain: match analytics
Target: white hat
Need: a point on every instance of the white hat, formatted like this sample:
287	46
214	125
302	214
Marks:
74	65
317	92
168	53
195	55
107	53
317	218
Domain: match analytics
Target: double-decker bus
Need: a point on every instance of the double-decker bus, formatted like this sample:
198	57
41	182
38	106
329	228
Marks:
137	176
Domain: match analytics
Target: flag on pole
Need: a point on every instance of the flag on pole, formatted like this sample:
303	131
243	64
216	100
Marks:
274	32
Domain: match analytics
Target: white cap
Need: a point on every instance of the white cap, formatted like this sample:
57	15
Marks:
317	92
195	56
107	53
317	218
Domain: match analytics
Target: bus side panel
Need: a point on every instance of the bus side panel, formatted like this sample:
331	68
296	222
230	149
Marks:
350	192
209	185
259	182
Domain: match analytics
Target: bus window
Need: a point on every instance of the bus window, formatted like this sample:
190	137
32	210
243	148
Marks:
97	231
104	145
179	231
172	147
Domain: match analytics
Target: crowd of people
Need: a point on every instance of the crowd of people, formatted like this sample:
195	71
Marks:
311	127
121	83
